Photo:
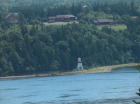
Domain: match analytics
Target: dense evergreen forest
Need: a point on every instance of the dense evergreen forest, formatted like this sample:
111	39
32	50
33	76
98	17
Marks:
48	3
29	46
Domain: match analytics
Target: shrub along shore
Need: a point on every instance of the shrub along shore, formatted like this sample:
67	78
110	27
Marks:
101	69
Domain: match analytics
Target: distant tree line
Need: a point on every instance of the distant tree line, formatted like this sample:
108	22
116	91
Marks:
42	11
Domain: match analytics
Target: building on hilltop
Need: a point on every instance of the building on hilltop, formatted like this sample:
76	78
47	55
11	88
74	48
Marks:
134	17
62	18
51	19
104	22
12	18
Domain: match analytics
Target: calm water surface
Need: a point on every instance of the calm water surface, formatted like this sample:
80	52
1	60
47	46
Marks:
95	88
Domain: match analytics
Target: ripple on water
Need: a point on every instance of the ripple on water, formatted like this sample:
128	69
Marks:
26	96
8	89
67	95
28	103
81	101
76	90
36	85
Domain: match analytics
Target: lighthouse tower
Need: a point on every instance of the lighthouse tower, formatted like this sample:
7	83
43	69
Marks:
79	64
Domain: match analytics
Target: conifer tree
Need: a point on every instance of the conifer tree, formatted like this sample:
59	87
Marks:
138	95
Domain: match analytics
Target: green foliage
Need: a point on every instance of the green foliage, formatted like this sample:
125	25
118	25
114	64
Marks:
31	47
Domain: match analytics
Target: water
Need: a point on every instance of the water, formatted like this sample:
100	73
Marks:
119	85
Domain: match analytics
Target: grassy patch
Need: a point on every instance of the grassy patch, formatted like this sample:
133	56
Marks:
114	27
101	69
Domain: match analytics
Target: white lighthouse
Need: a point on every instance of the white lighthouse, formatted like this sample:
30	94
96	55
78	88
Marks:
79	64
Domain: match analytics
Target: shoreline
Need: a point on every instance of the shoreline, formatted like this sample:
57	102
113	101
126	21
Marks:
101	69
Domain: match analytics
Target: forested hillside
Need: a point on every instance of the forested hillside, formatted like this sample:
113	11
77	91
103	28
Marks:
58	2
31	47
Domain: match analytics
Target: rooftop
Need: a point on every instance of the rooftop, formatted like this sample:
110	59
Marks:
62	16
104	20
12	17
